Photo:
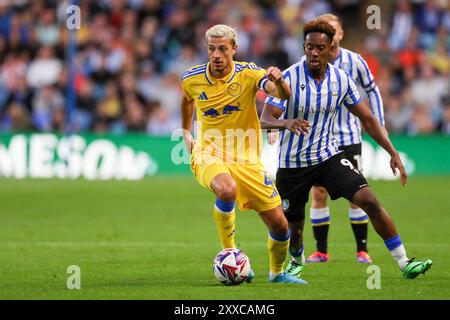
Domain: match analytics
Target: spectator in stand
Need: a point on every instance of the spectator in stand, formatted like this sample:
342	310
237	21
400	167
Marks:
429	17
401	25
44	69
48	108
397	114
428	91
130	53
421	121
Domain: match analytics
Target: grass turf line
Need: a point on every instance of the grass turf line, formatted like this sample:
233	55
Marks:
156	239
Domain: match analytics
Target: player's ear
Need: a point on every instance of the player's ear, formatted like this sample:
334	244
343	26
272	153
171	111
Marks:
332	48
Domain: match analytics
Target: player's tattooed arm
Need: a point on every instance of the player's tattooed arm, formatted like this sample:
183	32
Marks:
380	135
187	113
277	86
270	120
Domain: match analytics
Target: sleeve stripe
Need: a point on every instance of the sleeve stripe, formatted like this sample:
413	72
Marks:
352	104
369	84
376	105
369	91
349	56
278	105
350	90
262	83
368	74
193	73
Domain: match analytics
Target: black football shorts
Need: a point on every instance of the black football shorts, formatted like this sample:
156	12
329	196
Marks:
338	175
353	154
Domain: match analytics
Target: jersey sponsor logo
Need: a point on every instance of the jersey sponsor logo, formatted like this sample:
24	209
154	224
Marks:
234	89
302	86
334	88
203	96
312	109
228	109
213	113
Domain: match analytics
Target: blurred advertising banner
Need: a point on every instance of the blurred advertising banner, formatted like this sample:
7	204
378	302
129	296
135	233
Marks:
93	157
134	157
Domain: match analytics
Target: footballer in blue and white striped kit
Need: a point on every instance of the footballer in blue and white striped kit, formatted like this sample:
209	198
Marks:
347	131
310	155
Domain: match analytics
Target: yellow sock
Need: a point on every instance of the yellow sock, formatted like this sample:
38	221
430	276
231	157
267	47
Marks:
277	254
225	223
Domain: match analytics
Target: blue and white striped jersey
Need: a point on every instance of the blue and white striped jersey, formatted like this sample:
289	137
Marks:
317	103
347	128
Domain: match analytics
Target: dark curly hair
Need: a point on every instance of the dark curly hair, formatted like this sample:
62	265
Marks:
319	26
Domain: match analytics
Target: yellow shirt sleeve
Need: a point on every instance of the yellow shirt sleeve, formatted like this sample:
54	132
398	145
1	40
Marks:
257	74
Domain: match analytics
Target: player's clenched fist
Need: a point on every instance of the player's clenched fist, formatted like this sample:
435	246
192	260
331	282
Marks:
274	74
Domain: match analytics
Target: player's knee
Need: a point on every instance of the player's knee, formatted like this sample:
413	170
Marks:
319	197
296	233
371	206
227	192
279	227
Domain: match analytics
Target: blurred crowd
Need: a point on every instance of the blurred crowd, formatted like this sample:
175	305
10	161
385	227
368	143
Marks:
131	54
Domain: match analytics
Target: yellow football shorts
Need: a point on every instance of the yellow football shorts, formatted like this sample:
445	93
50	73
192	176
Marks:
255	189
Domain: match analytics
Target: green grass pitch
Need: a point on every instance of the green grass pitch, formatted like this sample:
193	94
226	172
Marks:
156	239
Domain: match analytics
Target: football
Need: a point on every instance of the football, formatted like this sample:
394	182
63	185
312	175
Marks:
231	267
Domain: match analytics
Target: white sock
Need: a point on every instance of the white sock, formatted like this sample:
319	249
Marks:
300	259
319	215
399	254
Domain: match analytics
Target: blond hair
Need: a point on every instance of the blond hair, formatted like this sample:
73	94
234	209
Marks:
222	30
327	17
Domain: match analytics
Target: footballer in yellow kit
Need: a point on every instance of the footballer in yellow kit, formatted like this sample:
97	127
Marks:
229	132
225	156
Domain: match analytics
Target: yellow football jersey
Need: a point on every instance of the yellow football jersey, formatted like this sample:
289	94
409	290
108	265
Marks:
228	126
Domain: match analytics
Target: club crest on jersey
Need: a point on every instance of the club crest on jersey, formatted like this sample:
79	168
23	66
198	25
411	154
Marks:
334	88
234	89
345	66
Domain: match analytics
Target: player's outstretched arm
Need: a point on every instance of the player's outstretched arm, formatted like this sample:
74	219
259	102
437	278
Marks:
270	120
380	135
276	86
187	113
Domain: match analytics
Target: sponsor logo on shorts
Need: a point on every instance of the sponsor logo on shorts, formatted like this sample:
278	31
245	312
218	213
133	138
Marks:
285	204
